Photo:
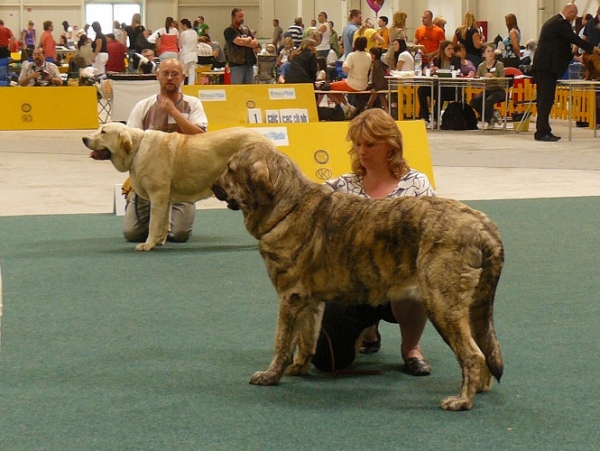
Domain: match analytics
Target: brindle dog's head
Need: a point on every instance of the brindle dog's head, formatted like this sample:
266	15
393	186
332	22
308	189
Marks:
264	184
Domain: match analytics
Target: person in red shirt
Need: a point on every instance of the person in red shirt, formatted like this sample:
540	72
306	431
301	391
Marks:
6	40
47	41
117	52
430	36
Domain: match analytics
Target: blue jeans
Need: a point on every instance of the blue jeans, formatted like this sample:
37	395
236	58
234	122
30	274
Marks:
242	75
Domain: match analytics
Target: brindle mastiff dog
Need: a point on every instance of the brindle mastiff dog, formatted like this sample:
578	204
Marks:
321	246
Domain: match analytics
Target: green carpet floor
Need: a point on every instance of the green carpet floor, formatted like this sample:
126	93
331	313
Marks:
104	348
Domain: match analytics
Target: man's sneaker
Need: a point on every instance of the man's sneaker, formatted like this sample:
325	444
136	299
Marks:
496	119
350	112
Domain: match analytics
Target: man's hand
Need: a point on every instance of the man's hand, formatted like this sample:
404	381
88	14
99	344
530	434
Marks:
167	105
597	50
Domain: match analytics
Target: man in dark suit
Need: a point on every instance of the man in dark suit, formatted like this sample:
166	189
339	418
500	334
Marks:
552	58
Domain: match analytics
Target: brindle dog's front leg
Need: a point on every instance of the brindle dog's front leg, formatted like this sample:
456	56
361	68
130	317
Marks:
160	209
285	341
308	326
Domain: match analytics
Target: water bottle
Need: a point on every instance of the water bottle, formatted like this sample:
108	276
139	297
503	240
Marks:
418	64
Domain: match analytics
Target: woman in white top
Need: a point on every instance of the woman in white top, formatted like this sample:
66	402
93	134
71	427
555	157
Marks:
166	40
404	59
357	65
188	40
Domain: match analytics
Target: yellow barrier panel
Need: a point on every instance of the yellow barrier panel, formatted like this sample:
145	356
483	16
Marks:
229	104
49	108
321	149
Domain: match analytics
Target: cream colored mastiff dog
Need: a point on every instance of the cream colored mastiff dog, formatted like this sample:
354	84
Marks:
168	167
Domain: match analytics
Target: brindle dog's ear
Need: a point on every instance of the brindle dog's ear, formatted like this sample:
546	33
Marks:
260	184
125	141
260	173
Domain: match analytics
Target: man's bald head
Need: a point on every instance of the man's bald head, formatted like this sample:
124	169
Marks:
570	12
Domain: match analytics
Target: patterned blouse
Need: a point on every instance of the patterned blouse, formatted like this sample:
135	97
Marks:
413	184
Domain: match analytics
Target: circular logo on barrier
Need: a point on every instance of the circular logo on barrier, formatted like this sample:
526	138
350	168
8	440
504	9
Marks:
321	156
324	174
250	104
27	118
26	108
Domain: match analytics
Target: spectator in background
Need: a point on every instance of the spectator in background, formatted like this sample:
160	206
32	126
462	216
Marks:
117	52
368	31
440	21
325	31
467	68
120	33
430	36
219	60
188	54
100	56
511	55
286	52
204	52
47	41
202	27
28	37
303	66
384	32
334	40
468	35
404	59
135	32
39	72
7	39
296	31
68	34
351	28
84	49
277	33
240	44
166	40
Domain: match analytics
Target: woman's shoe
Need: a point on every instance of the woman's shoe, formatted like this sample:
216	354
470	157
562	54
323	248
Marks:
371	347
417	367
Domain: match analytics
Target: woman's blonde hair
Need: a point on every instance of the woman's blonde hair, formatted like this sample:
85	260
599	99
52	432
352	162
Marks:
376	126
399	19
468	22
306	43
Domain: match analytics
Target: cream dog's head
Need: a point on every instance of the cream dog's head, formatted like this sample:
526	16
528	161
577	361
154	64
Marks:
115	142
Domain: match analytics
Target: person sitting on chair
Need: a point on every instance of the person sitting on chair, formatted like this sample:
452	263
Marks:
494	91
39	72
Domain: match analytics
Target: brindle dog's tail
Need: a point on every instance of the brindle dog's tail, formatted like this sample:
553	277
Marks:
481	313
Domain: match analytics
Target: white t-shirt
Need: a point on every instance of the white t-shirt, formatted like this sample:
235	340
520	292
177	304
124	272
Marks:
325	36
408	61
188	40
359	64
189	106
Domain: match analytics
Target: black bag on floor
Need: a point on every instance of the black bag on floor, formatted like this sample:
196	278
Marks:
459	116
330	114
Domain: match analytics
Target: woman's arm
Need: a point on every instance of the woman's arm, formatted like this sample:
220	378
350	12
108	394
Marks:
477	40
97	49
514	42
